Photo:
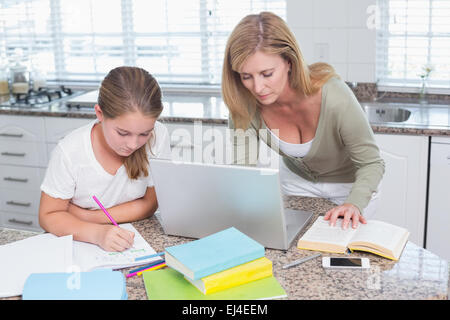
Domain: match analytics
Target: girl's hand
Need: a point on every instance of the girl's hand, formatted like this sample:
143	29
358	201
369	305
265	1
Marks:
349	212
112	238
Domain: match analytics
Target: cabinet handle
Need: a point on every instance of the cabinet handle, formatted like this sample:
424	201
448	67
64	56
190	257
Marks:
28	223
11	135
183	146
12	154
21	204
15	179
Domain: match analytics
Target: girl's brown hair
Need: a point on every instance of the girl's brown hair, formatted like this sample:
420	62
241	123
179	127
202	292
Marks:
269	33
130	89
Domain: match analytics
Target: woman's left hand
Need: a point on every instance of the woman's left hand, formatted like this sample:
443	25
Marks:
349	212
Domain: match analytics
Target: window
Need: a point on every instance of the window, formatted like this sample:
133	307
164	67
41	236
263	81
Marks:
413	35
178	41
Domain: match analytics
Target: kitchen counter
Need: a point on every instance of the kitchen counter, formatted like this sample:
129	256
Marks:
429	120
419	274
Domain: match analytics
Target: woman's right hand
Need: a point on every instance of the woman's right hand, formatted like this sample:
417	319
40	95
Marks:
112	238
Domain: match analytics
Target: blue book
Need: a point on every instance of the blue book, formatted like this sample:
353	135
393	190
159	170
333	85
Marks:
93	285
214	253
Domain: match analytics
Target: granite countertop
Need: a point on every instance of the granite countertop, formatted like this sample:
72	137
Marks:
430	119
419	274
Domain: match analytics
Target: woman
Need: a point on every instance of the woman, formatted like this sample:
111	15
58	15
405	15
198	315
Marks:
313	118
107	158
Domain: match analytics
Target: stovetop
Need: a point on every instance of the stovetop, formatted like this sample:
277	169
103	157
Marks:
38	99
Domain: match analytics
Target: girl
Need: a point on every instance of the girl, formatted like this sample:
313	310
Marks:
107	158
326	144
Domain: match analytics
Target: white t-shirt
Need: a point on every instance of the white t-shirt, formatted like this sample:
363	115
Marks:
74	173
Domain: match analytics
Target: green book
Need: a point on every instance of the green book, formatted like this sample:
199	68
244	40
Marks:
169	284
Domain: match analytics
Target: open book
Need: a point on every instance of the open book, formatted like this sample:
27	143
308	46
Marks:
377	237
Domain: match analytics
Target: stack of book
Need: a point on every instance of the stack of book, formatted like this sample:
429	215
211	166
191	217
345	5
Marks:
224	265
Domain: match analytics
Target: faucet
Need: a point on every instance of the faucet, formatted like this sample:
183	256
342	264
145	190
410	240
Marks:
352	84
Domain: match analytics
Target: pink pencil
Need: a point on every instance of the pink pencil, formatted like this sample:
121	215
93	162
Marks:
104	210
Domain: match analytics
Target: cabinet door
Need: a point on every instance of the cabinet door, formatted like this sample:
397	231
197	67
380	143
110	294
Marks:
438	224
18	129
58	128
403	188
20	201
188	141
20	221
20	178
24	153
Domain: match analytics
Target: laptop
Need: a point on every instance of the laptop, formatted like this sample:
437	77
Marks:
199	199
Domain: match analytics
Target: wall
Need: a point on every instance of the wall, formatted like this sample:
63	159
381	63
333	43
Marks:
337	32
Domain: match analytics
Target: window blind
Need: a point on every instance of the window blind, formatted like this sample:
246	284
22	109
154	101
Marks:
413	35
178	41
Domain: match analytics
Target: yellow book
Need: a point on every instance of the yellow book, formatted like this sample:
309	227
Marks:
244	273
378	237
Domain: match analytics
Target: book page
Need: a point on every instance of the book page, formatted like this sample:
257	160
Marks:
321	231
88	256
383	234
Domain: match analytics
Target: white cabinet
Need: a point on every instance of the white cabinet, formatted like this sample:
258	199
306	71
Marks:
57	128
22	156
25	148
403	188
438	220
197	142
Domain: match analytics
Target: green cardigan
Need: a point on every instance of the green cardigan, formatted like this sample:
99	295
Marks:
343	149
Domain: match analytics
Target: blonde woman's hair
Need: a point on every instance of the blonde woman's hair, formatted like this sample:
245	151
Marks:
130	89
270	34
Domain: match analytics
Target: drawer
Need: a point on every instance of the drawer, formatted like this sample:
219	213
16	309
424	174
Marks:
20	221
186	140
20	201
440	155
21	128
23	153
58	128
23	178
438	139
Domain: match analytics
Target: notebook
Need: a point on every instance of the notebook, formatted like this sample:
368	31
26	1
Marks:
47	253
41	253
88	256
94	285
169	284
219	251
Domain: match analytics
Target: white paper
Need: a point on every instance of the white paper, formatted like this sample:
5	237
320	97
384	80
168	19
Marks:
89	256
44	253
47	253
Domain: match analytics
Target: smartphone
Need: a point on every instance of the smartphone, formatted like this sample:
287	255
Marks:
347	263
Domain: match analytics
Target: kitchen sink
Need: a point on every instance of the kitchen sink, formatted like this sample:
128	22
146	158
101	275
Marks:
377	114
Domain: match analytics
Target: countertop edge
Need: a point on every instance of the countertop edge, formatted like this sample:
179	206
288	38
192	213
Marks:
377	128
